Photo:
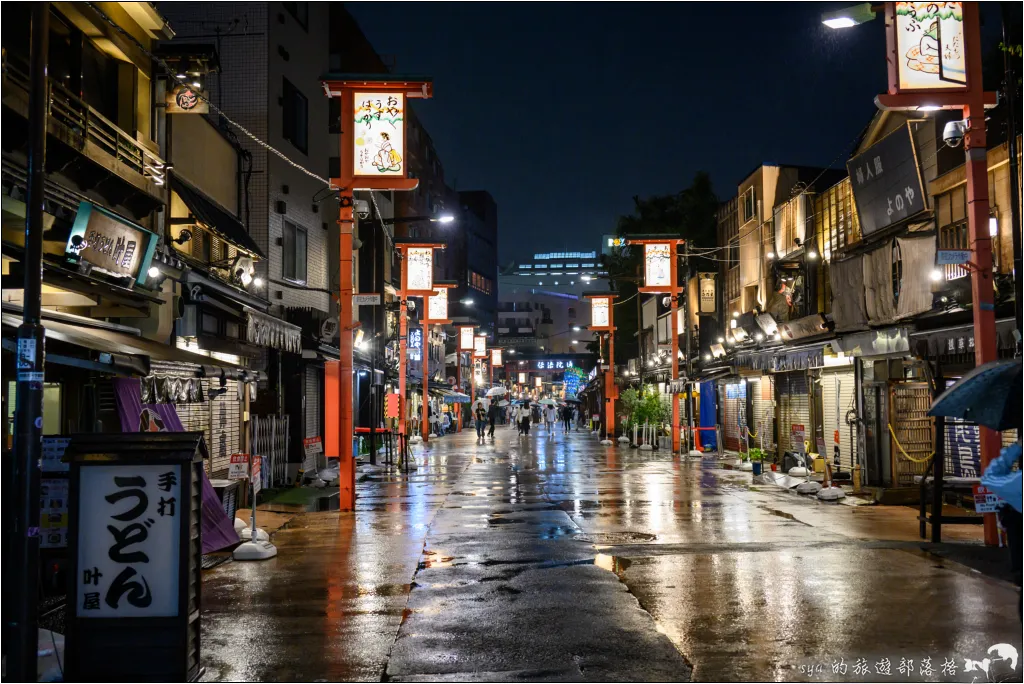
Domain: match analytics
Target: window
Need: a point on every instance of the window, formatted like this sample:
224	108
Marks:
334	163
749	202
293	252
299	11
296	115
479	282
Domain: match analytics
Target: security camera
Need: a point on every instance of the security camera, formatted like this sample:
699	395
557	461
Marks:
953	133
361	208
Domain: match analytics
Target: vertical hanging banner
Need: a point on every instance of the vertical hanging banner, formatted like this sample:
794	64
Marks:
658	264
480	347
599	313
378	135
466	334
495	357
419	264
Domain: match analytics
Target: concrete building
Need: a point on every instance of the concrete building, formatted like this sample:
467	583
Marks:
271	58
541	306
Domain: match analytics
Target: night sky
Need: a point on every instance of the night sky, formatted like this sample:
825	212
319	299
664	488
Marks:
565	111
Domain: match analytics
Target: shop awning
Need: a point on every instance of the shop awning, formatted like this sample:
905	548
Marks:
874	342
215	217
958	341
269	331
120	353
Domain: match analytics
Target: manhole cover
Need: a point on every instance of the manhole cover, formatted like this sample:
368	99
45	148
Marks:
613	538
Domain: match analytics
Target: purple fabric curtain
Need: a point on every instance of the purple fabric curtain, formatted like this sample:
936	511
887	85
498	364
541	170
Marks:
217	530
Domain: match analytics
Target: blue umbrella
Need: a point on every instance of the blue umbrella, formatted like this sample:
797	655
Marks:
989	395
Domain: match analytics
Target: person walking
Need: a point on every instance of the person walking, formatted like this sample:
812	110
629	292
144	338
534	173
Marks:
566	419
549	419
492	416
480	415
524	419
576	417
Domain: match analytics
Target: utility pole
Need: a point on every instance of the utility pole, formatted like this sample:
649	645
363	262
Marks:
30	365
689	362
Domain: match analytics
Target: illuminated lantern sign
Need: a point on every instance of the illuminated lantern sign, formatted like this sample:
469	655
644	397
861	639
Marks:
419	266
657	264
480	347
415	344
495	357
706	287
437	305
522	378
599	312
537	382
379	134
929	46
465	338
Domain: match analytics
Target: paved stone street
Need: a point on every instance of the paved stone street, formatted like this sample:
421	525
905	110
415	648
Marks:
553	558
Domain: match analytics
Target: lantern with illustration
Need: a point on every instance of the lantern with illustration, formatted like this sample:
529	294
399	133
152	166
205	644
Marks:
602	321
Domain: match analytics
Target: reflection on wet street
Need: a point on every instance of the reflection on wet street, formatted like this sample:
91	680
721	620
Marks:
554	558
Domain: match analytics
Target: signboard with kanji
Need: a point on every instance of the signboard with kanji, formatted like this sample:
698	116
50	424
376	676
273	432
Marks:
128	541
930	49
238	466
985	500
378	134
886	182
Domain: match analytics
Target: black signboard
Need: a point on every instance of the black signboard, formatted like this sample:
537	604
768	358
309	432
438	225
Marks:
886	182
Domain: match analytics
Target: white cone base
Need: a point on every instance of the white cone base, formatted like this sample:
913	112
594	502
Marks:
606	442
831	494
415	439
746	466
797	471
696	454
623	439
646	447
261	535
240	525
433	435
808	488
261	550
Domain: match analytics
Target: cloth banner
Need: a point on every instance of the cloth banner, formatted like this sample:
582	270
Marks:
217	530
878	295
847	278
708	415
918	255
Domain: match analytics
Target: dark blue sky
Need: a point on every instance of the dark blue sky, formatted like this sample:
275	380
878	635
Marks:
565	111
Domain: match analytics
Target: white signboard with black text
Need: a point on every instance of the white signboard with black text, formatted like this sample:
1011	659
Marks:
128	541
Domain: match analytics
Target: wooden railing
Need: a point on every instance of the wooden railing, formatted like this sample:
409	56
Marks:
88	125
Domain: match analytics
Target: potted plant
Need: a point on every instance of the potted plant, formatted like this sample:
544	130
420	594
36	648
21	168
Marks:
756	456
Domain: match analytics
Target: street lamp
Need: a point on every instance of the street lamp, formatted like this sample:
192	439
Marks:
848	16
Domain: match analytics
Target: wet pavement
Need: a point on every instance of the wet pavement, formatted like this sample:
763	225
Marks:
552	558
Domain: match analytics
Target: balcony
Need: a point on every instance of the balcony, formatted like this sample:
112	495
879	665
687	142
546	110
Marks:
85	146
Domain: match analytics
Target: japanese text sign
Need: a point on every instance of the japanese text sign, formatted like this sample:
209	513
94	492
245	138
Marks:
111	244
419	265
465	338
128	541
929	44
480	347
600	312
886	182
378	134
495	357
238	467
437	305
658	264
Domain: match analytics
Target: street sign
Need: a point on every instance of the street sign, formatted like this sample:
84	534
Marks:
985	501
257	479
371	299
950	257
797	434
238	467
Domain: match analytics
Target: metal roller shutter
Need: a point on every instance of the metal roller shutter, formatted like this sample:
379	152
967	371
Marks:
837	398
762	422
225	426
735	395
312	402
794	407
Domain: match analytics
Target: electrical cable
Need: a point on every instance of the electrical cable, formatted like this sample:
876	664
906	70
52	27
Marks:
173	77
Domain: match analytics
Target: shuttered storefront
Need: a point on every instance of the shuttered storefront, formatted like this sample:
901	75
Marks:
312	402
837	398
220	421
734	397
762	422
794	407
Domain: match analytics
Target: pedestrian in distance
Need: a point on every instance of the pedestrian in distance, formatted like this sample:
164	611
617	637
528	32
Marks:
524	420
492	416
480	415
549	419
566	419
